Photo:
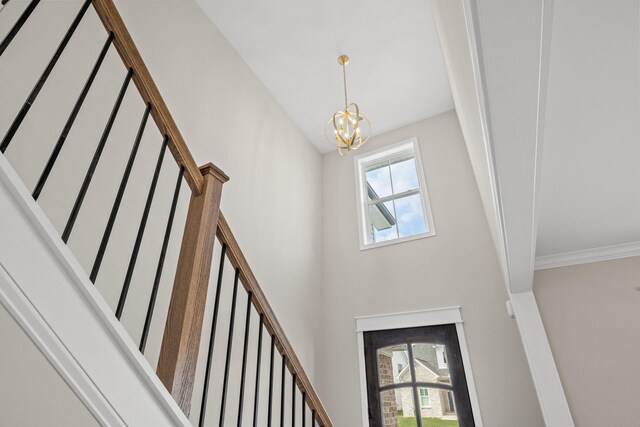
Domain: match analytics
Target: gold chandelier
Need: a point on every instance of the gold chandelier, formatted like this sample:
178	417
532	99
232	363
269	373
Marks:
347	129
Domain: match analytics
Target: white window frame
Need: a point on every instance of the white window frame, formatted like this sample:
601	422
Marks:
413	319
362	199
442	363
428	396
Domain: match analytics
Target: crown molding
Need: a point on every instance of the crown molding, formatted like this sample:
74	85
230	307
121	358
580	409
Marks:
604	253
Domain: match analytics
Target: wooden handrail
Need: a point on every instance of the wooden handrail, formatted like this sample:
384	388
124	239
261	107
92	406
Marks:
250	283
178	356
130	55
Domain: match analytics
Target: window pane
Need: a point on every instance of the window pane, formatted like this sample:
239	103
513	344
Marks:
396	411
378	180
404	174
410	216
434	413
436	410
393	365
429	363
382	222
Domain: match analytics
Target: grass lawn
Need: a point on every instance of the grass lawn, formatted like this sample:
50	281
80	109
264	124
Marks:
426	422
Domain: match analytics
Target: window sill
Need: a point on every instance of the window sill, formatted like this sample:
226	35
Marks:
367	246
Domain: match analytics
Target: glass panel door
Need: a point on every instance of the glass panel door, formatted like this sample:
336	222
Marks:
415	378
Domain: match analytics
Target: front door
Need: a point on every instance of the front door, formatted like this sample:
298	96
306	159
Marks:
415	377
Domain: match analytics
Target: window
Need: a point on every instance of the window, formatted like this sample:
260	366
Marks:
393	204
424	397
450	407
441	356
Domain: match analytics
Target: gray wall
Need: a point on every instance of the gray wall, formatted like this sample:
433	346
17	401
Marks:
28	382
590	313
454	38
457	267
226	116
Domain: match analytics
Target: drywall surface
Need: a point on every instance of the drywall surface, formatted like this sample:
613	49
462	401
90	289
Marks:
589	147
454	38
590	313
458	266
227	117
31	391
272	202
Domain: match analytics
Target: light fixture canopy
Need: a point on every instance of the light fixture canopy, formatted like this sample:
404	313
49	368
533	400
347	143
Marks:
348	129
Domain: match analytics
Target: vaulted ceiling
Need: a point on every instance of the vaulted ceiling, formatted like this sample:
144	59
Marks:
396	74
548	96
590	178
557	87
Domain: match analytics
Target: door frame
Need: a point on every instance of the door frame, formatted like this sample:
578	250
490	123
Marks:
412	319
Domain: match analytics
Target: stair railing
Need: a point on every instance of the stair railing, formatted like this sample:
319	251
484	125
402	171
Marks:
183	330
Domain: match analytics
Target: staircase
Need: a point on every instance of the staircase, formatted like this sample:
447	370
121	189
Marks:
243	371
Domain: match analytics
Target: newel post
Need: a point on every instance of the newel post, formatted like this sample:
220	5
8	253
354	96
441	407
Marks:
181	340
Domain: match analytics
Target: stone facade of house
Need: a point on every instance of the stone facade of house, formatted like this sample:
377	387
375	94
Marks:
437	397
388	398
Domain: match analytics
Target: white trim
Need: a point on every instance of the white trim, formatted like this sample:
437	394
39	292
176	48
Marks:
517	244
26	315
553	402
364	404
395	241
543	83
471	384
361	197
73	309
514	274
438	316
472	23
409	319
605	253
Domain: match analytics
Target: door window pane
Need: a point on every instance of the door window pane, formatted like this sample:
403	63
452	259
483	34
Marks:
437	413
397	408
393	365
434	407
428	358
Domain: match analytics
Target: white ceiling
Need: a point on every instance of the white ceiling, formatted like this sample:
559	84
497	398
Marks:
590	179
561	83
396	75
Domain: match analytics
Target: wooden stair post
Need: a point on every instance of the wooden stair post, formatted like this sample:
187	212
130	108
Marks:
181	340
